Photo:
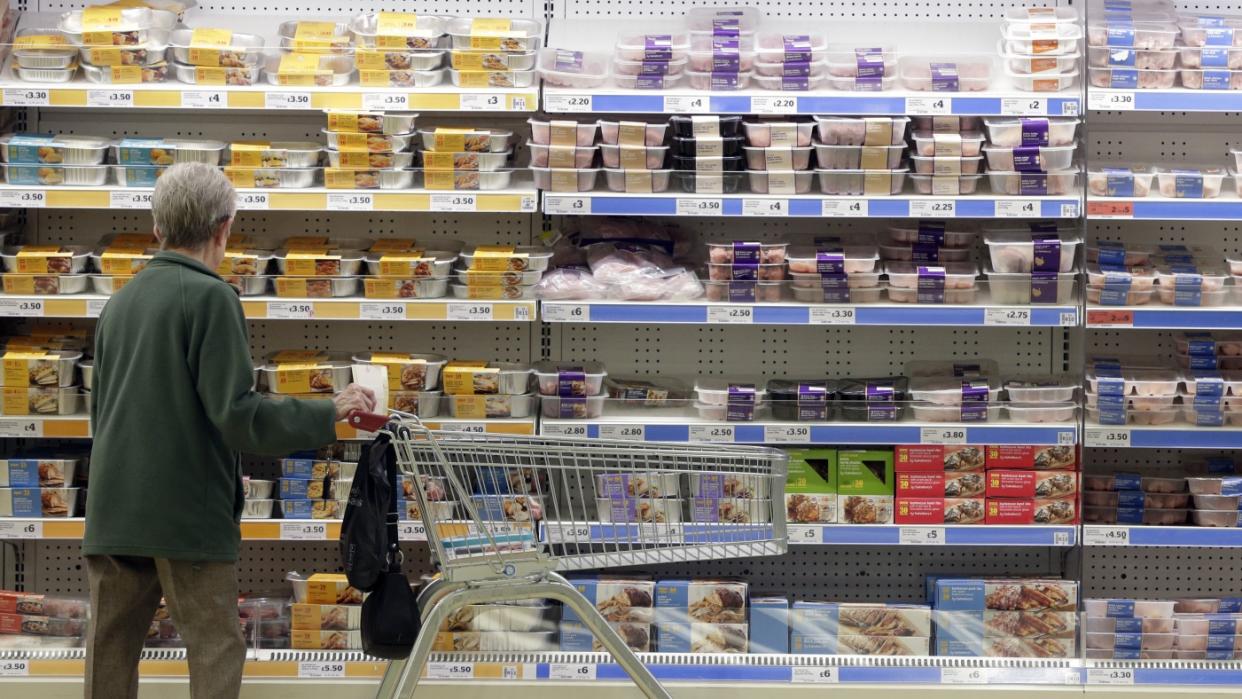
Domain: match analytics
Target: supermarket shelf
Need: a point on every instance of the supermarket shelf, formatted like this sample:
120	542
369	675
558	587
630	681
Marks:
1002	99
1164	437
815	534
178	95
1164	317
265	308
1123	535
516	425
515	199
802	205
887	314
654	428
1226	207
72	528
1170	100
1164	673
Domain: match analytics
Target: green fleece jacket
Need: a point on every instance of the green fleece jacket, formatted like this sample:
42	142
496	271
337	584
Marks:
172	406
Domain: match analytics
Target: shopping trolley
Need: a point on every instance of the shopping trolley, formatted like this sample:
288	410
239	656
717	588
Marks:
503	514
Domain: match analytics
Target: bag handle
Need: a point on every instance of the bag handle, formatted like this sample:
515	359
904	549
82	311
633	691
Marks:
394	555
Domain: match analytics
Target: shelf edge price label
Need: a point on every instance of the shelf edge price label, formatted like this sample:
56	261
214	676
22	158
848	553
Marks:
921	536
565	312
411	531
1017	208
633	433
566	205
1110	100
357	201
1023	106
963	675
568	103
1104	316
687	104
457	201
787	434
711	433
933	208
556	429
320	670
110	98
774	105
1007	316
252	200
929	106
129	200
815	675
942	435
21	429
450	671
1103	535
844	208
22	308
765	207
1118	437
290	311
833	315
14	668
572	671
21	529
385	100
303	531
481	102
94	307
806	534
470	311
731	315
27	97
475	427
392	310
198	99
698	206
1110	675
23	198
287	100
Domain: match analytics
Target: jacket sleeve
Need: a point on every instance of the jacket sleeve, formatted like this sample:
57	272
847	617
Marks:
219	356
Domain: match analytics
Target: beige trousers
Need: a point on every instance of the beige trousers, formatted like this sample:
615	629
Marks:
202	599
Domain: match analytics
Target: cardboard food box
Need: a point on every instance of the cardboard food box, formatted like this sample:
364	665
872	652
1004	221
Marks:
702	638
1032	511
939	510
811	487
1038	458
618	599
326	617
865	486
576	637
769	625
331	588
1006	483
1024	595
937	458
953	484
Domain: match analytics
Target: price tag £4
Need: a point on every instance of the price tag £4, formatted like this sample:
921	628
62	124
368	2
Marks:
313	670
815	675
1017	208
203	100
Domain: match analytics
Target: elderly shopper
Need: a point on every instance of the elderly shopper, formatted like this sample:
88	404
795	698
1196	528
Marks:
173	405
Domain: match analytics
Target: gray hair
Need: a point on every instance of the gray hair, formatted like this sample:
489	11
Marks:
190	202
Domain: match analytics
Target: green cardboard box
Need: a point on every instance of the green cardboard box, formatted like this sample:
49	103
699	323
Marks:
865	481
811	486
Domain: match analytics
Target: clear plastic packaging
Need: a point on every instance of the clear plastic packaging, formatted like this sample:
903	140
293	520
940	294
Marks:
470	33
638	181
1122	181
652	47
1132	34
862	182
765	134
565	179
947	73
576	69
1142	59
1214	57
859	131
848	61
625	133
1190	183
1041	389
1008	132
717	81
1033	183
1030	158
1028	288
780	182
930	144
849	157
1132	78
565	156
778	158
1210	31
1013	250
947	185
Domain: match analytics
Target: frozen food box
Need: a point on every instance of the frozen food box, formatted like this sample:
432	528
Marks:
35	625
822	627
1032	511
702	638
865	481
311	469
37	472
1031	484
618	599
811	486
325	640
514	618
575	637
769	625
975	594
936	458
333	617
701	601
938	510
991	633
1039	458
952	484
330	588
44	605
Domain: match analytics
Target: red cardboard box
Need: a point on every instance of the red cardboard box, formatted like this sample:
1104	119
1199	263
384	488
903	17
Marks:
968	484
933	457
920	484
1031	484
1039	458
939	511
1032	511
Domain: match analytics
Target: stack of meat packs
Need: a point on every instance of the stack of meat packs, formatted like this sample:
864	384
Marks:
1004	484
837	628
1004	618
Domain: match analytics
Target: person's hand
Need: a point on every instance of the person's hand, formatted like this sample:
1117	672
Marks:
354	397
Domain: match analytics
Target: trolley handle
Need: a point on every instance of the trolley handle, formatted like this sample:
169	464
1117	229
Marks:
368	422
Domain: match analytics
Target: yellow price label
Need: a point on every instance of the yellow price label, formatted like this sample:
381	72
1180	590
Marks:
100	17
396	24
41	41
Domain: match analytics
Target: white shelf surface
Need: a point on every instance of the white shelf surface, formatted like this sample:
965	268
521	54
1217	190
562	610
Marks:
671	203
80	92
887	314
1003	98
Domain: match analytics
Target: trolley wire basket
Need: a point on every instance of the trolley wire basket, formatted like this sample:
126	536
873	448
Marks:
503	514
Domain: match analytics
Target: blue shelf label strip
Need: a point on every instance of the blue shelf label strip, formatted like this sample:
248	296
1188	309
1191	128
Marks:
1186	439
731	205
1188	209
801	315
875	433
1206	101
862	103
1190	320
1185	536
